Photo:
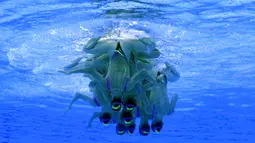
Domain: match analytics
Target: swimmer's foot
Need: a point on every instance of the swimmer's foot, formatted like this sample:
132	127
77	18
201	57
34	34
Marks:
67	109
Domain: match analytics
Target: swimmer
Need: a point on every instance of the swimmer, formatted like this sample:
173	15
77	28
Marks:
156	116
74	69
105	116
158	97
101	97
83	69
100	63
132	97
116	78
99	93
120	45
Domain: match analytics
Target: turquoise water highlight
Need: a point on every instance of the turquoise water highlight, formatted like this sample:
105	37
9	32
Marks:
210	42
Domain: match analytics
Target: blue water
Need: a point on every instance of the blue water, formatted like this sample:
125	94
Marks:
211	43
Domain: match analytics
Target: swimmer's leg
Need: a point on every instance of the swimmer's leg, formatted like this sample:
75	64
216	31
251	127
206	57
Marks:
83	97
148	42
131	127
120	127
144	127
143	60
138	77
94	116
173	104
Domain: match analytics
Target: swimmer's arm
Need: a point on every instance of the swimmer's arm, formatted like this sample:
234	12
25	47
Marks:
91	44
74	63
101	61
172	104
73	70
144	64
171	72
150	55
78	68
145	47
143	60
138	77
94	75
148	86
84	98
103	57
148	42
91	73
96	62
96	47
94	116
72	66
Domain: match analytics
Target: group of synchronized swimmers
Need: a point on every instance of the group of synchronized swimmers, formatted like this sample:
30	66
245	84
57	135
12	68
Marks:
126	82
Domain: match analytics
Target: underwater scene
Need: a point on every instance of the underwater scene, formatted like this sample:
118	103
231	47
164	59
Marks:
127	71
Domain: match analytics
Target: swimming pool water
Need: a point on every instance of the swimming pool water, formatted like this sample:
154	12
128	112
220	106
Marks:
210	42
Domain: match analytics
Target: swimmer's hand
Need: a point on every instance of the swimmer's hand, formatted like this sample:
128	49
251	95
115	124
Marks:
88	126
67	109
94	116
